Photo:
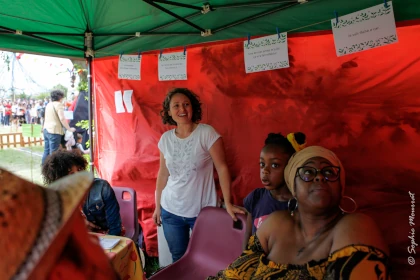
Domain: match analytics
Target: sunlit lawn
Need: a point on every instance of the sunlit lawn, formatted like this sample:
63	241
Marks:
26	164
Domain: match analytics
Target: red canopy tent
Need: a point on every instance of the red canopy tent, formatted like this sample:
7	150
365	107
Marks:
364	106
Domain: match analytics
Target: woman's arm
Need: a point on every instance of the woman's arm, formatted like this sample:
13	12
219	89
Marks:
248	230
60	113
217	153
161	181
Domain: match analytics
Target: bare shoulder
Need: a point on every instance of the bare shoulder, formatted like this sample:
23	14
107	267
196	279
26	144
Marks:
358	229
277	225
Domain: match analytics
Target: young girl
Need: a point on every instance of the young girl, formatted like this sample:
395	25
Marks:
275	195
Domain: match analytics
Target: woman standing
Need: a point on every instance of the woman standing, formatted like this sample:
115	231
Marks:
185	182
54	123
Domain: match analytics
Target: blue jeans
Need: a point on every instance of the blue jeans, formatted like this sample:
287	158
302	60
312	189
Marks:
177	232
51	144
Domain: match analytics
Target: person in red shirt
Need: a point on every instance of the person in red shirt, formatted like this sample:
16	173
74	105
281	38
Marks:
8	112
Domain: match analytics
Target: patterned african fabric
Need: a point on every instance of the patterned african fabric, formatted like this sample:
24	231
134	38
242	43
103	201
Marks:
353	262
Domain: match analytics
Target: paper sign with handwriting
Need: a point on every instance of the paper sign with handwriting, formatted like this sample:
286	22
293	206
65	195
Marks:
129	67
366	29
173	66
266	53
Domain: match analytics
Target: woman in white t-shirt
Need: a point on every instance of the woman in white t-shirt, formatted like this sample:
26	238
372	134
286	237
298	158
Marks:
185	182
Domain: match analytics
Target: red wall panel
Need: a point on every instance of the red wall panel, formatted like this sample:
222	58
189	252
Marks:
365	107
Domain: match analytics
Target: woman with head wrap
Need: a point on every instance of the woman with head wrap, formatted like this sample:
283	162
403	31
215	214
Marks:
319	238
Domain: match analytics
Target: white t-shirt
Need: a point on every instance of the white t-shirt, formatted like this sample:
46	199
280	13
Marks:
190	185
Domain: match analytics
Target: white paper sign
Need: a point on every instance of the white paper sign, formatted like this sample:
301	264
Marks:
366	29
173	66
68	115
108	243
266	53
127	100
129	67
119	106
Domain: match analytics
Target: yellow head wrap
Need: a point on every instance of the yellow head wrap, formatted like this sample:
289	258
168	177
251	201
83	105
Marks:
295	144
299	158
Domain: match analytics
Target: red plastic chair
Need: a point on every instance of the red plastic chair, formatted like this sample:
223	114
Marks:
215	242
127	199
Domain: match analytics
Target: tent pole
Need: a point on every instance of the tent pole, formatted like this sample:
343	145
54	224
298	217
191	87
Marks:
22	33
178	4
150	2
90	112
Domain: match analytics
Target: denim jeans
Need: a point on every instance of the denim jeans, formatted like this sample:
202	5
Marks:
177	232
7	120
51	144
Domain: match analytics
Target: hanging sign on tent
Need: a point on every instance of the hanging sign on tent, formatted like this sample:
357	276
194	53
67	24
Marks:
366	29
266	53
129	67
172	66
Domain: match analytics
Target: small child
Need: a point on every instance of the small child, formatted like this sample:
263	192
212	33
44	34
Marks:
275	195
79	144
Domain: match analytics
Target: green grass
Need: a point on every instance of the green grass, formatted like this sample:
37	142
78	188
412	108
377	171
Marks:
151	265
26	164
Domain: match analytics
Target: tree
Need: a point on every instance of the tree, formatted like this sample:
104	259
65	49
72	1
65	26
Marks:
23	96
79	68
42	96
5	57
62	88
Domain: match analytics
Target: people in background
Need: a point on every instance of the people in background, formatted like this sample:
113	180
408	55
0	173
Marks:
79	144
54	123
185	182
40	112
275	195
7	113
2	112
100	209
319	238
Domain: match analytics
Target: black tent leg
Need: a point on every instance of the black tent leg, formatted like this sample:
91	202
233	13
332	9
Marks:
90	112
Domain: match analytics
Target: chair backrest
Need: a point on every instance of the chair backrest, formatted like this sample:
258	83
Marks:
215	242
127	199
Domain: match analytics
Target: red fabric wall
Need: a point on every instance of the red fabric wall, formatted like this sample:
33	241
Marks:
365	107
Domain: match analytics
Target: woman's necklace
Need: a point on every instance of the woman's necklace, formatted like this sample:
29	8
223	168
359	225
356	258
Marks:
319	233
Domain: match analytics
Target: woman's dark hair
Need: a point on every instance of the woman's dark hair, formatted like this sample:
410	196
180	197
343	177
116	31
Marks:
195	103
56	95
58	164
279	140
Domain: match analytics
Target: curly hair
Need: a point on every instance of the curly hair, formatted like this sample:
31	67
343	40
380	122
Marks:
56	95
195	103
279	140
59	164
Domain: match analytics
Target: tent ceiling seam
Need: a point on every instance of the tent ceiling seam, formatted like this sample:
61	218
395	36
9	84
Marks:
84	14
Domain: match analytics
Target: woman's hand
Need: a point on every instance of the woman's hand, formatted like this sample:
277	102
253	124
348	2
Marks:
91	226
72	129
232	210
156	217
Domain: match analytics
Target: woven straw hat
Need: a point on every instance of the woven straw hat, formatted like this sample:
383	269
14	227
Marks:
33	222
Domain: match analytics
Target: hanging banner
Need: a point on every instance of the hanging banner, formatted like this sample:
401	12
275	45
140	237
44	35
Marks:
366	29
172	66
129	67
266	53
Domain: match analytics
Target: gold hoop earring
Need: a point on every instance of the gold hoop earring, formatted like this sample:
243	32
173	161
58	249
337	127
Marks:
292	205
352	200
